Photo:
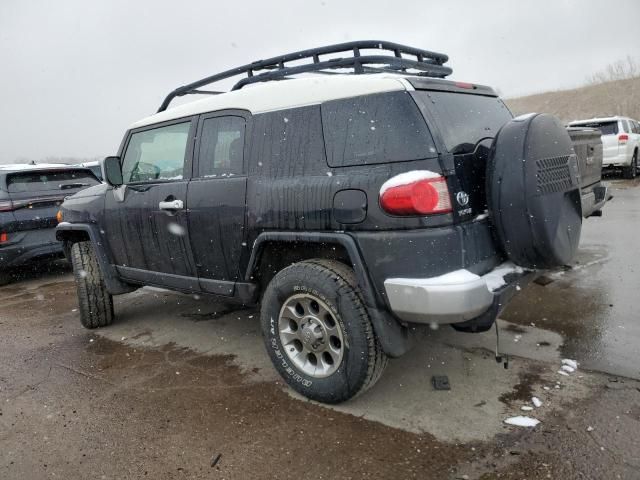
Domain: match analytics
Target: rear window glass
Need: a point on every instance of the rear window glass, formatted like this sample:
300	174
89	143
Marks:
221	146
464	119
50	181
374	129
607	128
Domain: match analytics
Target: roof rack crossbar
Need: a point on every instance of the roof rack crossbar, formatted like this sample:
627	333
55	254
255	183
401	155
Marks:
427	63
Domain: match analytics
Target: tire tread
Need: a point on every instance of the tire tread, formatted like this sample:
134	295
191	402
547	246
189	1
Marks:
94	301
348	287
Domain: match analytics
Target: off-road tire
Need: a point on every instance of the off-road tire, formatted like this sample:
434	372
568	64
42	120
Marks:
335	284
95	302
630	172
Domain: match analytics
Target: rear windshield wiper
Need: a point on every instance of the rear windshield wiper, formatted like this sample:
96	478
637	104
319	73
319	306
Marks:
67	186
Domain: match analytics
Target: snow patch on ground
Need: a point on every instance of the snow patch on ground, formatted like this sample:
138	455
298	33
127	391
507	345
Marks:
407	178
562	372
568	369
526	408
570	363
536	401
521	421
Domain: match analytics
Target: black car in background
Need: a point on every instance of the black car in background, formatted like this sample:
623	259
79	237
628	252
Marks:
30	196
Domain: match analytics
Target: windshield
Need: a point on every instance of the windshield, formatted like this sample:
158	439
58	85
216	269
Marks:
607	128
464	119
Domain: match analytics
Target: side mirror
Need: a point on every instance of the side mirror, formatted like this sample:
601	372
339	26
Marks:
112	171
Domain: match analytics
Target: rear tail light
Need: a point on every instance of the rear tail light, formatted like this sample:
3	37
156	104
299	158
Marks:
4	237
623	137
419	192
464	85
6	206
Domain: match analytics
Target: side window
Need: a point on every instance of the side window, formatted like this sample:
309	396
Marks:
378	128
156	154
625	126
636	127
221	147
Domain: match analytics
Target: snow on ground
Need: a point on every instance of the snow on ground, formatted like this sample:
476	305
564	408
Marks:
536	401
521	421
570	363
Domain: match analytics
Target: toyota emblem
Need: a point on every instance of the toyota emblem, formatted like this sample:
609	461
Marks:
462	198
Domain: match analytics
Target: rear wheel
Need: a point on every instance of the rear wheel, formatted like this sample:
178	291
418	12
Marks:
318	332
5	278
94	301
631	171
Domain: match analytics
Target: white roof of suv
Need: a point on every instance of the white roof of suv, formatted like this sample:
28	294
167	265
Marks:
298	92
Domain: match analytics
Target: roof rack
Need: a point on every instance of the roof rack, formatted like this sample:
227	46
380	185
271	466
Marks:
425	63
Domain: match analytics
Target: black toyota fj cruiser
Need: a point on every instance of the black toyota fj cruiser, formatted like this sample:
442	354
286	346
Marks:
350	206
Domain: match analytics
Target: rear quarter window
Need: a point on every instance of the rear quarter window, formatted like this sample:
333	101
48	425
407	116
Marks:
50	181
375	129
288	143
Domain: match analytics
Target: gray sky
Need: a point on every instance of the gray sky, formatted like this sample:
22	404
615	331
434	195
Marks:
75	73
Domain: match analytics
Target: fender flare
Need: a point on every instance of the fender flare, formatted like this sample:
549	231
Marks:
395	338
115	286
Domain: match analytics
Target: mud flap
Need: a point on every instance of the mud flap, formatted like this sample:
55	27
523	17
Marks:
484	321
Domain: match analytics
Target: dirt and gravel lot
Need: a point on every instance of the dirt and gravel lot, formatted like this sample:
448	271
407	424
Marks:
180	386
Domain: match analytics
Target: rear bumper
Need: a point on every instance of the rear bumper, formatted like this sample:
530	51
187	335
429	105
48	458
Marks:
454	297
30	245
618	160
593	200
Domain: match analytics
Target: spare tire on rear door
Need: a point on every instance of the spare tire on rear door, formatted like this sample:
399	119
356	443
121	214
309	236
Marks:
533	192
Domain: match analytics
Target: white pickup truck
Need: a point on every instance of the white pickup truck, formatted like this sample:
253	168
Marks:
620	142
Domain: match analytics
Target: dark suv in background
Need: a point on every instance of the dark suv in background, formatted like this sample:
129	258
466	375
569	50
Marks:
352	206
30	197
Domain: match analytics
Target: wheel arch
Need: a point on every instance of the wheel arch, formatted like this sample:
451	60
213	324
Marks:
273	251
70	233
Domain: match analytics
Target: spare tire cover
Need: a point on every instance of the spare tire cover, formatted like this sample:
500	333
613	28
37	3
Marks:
533	192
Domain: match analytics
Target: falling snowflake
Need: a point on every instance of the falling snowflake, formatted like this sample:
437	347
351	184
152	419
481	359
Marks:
176	229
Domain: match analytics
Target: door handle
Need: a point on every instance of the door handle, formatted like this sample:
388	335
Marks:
172	205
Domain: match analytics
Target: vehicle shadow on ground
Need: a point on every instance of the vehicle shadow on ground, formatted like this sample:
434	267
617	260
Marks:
41	270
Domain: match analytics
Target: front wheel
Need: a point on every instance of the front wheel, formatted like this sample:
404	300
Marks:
318	332
631	171
94	301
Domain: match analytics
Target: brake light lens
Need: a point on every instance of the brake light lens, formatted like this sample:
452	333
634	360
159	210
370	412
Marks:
4	237
6	206
464	85
623	137
415	193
